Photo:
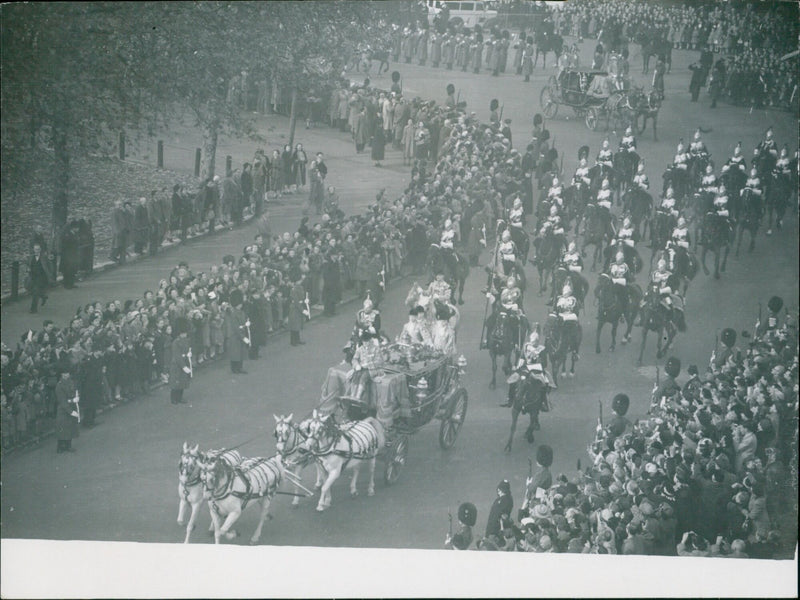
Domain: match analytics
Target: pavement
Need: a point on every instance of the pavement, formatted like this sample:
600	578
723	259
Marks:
129	461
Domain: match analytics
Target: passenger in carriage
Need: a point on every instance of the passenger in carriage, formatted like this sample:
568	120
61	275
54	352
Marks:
416	331
443	331
367	319
439	289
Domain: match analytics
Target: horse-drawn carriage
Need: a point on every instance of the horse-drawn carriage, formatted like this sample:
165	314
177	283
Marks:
414	385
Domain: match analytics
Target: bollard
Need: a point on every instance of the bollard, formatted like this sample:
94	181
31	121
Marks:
160	153
122	145
197	155
15	280
228	162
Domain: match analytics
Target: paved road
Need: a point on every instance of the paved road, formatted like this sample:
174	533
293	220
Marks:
121	483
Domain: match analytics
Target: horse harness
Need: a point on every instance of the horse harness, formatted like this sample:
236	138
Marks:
263	490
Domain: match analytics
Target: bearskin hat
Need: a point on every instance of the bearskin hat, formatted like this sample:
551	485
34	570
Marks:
468	514
537	119
673	367
544	455
620	404
237	297
728	337
395	76
494	104
451	89
775	303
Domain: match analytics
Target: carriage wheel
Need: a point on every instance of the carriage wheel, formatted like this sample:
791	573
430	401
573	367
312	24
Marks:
398	453
549	105
592	117
550	110
552	81
451	425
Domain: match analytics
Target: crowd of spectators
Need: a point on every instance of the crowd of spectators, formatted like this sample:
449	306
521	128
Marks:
117	350
710	471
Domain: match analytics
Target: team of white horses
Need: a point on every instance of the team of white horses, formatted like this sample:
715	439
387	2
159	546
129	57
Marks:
229	482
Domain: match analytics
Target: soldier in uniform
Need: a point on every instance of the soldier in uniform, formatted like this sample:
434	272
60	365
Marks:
461	539
738	160
772	321
619	422
506	252
237	332
180	373
567	307
367	319
628	141
668	387
572	259
728	351
494	116
679	241
621	276
605	156
640	179
661	277
625	233
581	176
668	204
681	159
541	480
697	148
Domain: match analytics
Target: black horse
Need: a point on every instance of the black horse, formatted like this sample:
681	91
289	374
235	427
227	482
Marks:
548	252
752	213
625	164
505	337
547	42
639	205
717	236
660	232
455	267
610	309
382	56
562	339
657	318
654	45
778	191
528	394
646	107
580	287
597	232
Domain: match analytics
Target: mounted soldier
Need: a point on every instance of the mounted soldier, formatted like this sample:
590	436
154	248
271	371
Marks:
506	252
621	276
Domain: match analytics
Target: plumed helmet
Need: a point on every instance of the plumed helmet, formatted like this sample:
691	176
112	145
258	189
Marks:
626	222
237	297
620	404
709	169
769	133
571	247
544	455
367	304
605	144
662	264
567	289
534	337
629	131
784	152
506	235
511	282
728	337
680	148
605	183
670	192
553	210
468	514
620	257
738	150
673	366
697	134
448	224
640	168
681	222
555	182
583	162
775	304
753	172
517	202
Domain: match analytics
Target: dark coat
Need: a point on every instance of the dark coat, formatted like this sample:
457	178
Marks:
178	379
256	311
331	282
66	423
296	307
235	333
501	509
378	144
141	225
91	383
40	274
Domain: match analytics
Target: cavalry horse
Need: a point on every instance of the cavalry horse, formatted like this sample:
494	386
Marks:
653	45
610	309
547	42
646	107
230	488
778	191
576	197
580	287
625	164
661	229
528	395
733	178
658	318
339	447
548	252
505	338
717	236
681	263
597	231
455	267
751	215
560	341
639	205
190	481
382	56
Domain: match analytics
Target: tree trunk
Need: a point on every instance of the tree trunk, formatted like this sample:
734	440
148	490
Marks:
61	174
293	117
210	150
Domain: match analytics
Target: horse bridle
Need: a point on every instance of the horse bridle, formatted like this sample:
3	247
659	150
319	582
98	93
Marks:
192	480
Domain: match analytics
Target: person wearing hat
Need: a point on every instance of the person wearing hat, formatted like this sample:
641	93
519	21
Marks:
506	131
297	312
537	485
450	103
494	116
461	539
180	373
237	332
500	512
728	351
415	331
668	387
771	323
67	412
443	333
619	423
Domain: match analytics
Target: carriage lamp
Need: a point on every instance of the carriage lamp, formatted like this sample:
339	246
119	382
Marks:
462	364
422	388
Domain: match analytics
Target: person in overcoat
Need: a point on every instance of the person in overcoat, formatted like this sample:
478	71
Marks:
360	130
256	311
297	310
331	283
40	277
180	368
91	387
236	332
141	226
66	413
70	255
378	143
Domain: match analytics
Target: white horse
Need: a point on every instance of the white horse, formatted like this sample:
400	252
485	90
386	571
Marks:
339	447
289	439
229	489
190	481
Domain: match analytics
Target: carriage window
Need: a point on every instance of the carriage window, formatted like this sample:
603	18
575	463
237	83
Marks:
479	6
467	5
